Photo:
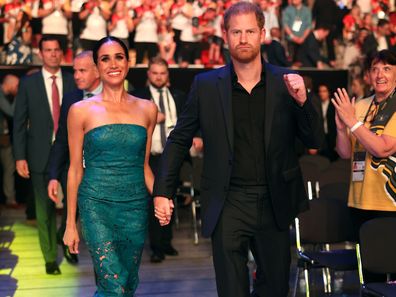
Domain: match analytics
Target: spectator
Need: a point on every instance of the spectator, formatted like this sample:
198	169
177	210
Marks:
19	50
55	16
179	16
191	38
146	30
378	40
8	91
326	113
309	54
166	44
120	24
326	12
275	51
271	19
359	89
366	133
93	18
296	19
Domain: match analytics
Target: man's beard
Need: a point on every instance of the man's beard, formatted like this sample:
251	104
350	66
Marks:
244	56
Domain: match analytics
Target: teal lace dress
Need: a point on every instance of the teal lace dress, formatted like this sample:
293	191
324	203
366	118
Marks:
113	201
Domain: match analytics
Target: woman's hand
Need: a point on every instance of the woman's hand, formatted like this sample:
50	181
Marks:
71	239
345	109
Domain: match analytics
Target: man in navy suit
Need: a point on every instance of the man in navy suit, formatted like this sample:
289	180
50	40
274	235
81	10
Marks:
86	77
170	103
249	114
36	117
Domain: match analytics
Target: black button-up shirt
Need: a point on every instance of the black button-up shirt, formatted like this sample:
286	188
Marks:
248	164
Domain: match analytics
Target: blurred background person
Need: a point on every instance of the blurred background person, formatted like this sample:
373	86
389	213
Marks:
309	53
120	24
88	83
8	91
93	17
326	113
34	132
366	133
19	50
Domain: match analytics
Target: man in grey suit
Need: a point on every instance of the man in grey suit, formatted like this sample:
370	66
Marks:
35	123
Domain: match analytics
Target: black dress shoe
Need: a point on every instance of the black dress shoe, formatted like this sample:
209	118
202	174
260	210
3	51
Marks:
52	268
156	258
71	258
170	251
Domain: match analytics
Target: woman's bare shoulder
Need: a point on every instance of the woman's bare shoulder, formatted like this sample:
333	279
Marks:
145	104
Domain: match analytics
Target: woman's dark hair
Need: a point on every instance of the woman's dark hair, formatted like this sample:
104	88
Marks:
24	20
106	39
384	56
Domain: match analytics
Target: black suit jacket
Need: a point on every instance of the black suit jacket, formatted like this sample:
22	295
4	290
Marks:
209	108
329	140
276	54
309	52
33	124
178	96
59	156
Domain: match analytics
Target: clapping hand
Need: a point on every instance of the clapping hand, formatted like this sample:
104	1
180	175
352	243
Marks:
345	109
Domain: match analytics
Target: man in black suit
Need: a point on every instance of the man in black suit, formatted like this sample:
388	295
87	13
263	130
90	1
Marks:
36	118
309	54
326	113
276	54
170	102
249	114
86	77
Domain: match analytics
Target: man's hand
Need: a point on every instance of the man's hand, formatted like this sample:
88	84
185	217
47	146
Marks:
160	117
22	168
53	190
296	87
197	144
163	208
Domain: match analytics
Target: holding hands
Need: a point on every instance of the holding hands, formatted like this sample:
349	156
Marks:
163	209
296	87
345	109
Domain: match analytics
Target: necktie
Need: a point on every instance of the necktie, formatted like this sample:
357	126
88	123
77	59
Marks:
55	103
88	95
162	109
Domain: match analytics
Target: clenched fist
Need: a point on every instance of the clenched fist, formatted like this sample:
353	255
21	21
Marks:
296	87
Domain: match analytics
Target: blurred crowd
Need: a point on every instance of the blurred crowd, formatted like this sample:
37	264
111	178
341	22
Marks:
320	34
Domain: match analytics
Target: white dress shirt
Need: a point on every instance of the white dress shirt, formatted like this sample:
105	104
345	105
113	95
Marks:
170	117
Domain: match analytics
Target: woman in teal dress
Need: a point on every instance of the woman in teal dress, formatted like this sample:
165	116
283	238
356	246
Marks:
111	134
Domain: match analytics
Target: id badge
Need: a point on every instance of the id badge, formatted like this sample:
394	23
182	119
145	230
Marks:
358	166
297	25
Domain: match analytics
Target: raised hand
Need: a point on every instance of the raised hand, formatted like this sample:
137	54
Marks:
296	87
345	108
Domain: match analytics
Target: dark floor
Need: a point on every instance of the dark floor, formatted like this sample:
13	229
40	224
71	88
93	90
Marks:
187	275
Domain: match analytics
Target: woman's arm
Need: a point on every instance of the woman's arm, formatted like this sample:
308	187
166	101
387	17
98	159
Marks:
75	136
380	146
152	120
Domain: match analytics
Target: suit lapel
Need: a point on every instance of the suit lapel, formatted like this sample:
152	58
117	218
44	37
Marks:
270	84
224	86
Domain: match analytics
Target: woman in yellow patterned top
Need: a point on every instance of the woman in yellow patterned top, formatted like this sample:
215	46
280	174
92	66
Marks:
366	133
